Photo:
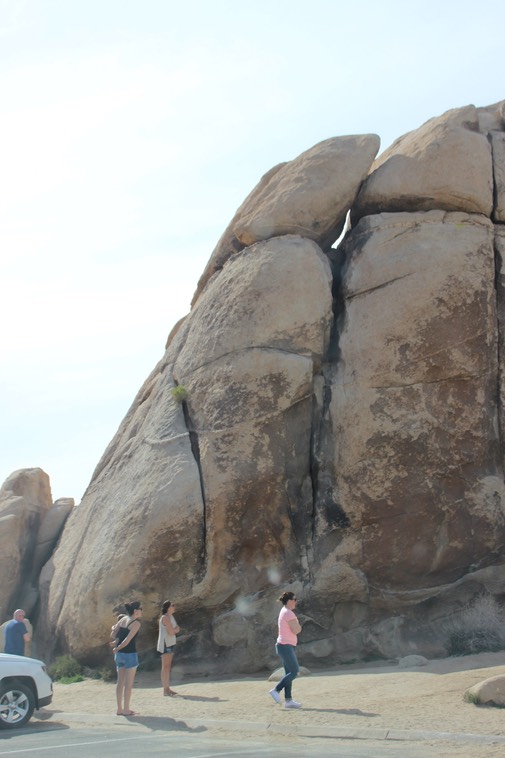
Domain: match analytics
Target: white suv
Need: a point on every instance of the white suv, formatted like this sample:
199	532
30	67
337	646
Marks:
24	686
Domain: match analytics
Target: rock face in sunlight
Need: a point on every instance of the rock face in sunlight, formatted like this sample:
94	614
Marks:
337	425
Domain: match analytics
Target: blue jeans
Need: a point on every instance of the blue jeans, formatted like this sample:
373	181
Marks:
288	657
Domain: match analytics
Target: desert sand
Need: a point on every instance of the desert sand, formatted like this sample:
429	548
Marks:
374	697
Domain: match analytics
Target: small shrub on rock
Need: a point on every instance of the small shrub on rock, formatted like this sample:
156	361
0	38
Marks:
179	393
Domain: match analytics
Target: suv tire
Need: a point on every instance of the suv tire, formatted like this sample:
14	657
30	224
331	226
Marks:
17	704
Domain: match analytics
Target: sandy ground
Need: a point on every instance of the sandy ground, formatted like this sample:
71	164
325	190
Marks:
428	698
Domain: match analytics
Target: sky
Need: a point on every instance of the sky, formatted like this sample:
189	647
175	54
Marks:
130	132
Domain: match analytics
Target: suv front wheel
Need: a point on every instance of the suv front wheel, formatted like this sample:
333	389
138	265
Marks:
17	704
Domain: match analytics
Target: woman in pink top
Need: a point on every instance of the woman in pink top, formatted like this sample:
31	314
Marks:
289	627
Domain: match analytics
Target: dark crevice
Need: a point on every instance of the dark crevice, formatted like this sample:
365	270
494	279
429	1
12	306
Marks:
195	449
498	290
322	497
315	445
494	159
499	350
377	287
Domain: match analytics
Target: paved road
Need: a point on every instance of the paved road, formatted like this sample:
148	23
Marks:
50	741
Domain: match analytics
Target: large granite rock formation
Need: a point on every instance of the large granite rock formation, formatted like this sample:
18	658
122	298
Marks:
341	424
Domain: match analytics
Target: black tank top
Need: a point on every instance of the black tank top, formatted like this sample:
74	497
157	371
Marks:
121	634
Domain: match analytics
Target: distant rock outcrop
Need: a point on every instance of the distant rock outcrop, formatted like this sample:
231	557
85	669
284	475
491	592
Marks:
30	526
342	426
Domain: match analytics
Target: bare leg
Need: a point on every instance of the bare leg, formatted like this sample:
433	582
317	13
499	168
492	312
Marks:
120	689
130	676
166	665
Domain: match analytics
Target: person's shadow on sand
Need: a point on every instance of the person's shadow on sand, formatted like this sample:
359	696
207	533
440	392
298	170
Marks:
164	723
202	698
345	711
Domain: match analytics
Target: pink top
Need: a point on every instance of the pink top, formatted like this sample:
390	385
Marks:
286	636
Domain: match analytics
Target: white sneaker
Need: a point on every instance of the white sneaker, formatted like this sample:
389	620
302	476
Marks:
275	695
292	704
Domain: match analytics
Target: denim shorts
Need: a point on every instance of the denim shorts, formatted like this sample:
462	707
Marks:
170	649
126	660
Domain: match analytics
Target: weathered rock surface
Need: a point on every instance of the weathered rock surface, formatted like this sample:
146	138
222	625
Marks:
309	195
343	427
228	244
25	498
413	413
49	532
217	488
446	164
489	692
498	146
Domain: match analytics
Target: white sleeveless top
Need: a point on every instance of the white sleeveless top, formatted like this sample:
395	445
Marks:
164	637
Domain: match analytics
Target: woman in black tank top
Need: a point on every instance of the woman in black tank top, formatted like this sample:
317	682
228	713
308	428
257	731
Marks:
125	655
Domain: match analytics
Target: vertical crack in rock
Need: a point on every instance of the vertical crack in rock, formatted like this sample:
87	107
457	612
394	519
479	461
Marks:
195	449
337	258
499	346
500	305
319	415
323	501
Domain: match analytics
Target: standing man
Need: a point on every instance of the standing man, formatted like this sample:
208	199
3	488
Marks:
16	634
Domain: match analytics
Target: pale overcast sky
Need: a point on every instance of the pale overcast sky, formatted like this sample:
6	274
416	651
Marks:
131	130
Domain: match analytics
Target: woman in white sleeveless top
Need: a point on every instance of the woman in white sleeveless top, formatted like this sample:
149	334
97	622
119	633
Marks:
166	643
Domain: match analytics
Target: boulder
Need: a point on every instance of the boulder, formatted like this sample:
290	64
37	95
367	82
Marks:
336	428
413	427
228	244
309	196
488	692
25	498
231	465
49	533
445	164
412	661
137	533
492	118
